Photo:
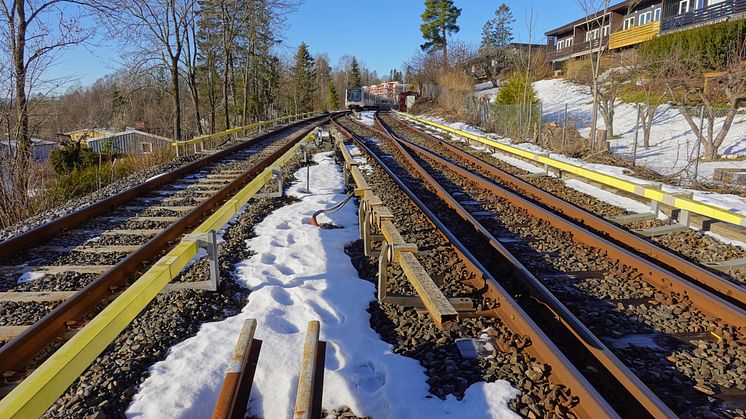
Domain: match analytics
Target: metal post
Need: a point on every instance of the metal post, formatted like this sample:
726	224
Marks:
541	113
308	168
637	134
210	244
699	141
564	126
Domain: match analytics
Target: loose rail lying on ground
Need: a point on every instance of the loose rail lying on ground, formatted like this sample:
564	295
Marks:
44	385
234	393
654	193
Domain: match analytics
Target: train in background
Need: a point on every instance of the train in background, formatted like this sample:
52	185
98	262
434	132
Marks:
386	95
359	99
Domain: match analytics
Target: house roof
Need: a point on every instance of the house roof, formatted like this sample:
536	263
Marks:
614	8
34	141
127	131
104	130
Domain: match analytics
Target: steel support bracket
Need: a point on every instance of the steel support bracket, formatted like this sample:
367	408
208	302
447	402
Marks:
276	175
209	242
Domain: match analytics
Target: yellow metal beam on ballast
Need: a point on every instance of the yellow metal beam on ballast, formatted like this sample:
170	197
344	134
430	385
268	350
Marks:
203	138
33	396
646	191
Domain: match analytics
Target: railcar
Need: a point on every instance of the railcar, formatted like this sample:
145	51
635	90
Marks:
360	99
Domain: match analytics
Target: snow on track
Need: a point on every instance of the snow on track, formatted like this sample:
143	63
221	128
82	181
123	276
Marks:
300	273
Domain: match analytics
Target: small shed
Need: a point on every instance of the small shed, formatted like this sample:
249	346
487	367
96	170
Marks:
131	141
40	149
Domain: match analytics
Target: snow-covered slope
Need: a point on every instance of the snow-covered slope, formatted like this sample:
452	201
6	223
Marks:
672	144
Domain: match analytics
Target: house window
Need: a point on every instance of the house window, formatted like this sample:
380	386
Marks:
683	6
146	148
591	35
629	23
568	42
646	17
657	14
560	45
606	30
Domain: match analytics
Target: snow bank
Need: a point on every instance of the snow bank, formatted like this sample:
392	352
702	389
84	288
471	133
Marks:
673	143
300	273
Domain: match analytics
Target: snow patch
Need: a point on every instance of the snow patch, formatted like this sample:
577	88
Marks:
300	273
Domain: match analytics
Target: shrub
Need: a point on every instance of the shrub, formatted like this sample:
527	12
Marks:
67	159
517	89
710	47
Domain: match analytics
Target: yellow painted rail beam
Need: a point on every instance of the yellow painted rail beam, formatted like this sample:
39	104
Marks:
635	35
208	137
646	191
33	396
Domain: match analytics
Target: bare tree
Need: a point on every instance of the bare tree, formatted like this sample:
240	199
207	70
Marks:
596	18
157	30
189	60
32	32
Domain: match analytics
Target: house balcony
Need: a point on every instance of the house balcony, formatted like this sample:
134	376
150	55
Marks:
634	36
704	16
586	47
554	54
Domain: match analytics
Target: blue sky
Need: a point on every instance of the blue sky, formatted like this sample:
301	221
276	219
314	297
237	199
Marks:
385	33
381	33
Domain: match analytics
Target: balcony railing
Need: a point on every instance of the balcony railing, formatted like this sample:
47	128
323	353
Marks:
635	35
705	15
554	54
581	48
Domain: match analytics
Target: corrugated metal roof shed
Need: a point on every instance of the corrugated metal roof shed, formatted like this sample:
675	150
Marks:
128	142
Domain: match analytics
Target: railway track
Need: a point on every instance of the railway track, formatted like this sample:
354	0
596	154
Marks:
71	267
593	213
583	285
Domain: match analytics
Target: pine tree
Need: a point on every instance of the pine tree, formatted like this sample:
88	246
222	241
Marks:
439	20
356	80
498	31
303	80
332	100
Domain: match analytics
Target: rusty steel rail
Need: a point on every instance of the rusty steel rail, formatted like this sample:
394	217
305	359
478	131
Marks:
655	275
17	352
593	344
311	378
236	389
592	403
650	250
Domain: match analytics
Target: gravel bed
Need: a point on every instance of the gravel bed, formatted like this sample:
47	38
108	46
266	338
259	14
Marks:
547	250
106	388
692	244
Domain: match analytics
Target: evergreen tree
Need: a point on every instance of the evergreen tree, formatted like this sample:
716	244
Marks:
439	20
303	80
498	31
356	79
332	99
395	75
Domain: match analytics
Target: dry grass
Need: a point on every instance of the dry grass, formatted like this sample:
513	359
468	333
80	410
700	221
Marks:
48	190
455	87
